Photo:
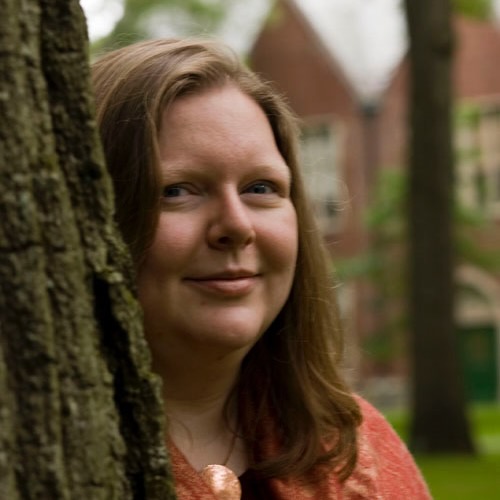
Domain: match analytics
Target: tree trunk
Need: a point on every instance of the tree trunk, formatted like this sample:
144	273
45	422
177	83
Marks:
80	413
439	419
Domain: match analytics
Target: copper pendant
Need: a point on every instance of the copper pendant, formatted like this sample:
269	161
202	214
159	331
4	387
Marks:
222	481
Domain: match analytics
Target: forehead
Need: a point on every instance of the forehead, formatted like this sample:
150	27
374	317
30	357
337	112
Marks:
218	132
226	98
223	113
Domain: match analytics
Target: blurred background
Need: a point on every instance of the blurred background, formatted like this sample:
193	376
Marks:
344	68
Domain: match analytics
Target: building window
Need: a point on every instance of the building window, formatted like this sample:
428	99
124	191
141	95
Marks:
320	165
478	153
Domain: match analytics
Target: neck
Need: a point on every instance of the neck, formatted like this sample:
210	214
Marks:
197	385
201	418
193	373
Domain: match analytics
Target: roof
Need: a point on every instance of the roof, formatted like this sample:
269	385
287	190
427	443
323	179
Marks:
366	37
477	72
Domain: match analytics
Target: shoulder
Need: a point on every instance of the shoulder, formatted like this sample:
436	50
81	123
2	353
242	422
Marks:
385	467
375	427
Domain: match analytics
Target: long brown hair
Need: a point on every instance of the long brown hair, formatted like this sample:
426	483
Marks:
293	370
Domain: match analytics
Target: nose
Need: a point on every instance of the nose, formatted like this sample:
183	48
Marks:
231	226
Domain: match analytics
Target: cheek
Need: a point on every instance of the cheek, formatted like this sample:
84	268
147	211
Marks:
282	240
173	242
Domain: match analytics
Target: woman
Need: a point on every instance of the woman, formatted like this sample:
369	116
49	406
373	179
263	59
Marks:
234	283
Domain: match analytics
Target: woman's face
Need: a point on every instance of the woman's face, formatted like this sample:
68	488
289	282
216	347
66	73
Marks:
223	257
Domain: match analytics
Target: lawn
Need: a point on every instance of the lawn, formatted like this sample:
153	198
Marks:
452	477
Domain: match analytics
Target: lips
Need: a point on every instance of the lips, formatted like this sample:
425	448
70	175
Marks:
227	283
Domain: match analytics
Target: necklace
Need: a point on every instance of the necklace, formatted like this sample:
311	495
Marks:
221	479
230	449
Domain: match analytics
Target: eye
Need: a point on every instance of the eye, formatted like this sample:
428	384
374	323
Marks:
174	191
261	187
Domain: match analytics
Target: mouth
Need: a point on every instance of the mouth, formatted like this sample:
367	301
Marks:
227	283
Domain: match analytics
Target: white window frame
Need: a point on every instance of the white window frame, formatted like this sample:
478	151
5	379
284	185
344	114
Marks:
478	153
321	162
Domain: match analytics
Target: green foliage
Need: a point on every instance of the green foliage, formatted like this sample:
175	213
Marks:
478	9
142	17
386	220
384	266
467	115
386	215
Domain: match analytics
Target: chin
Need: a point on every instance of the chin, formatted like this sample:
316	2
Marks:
232	336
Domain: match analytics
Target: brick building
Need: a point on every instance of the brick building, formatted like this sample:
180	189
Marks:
347	142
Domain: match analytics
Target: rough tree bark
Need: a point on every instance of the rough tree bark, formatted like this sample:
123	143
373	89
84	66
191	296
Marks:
439	420
80	413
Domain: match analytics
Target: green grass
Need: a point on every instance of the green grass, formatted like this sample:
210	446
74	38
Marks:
462	478
458	477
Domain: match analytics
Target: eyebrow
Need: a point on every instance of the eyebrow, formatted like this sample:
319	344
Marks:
174	169
275	168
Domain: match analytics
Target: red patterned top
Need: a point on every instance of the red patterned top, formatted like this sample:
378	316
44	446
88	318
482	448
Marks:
385	471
